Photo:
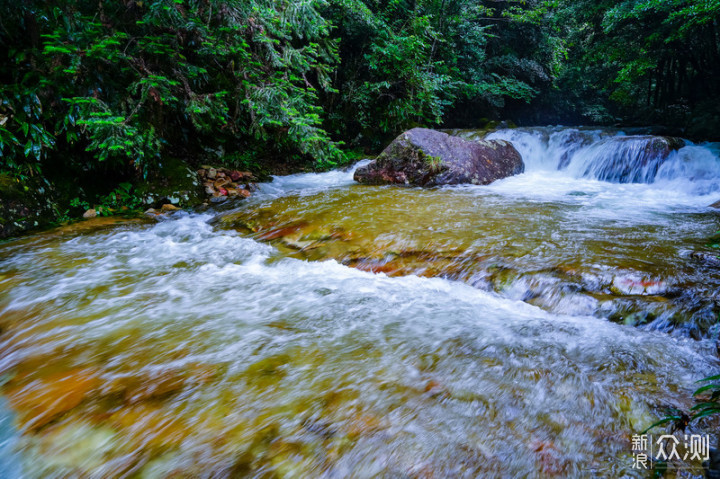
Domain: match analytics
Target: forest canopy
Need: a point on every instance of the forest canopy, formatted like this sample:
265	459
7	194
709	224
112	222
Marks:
119	86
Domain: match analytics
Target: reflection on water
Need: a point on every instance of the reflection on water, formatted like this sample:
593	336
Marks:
468	339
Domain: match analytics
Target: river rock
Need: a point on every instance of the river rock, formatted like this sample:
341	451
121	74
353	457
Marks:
423	157
91	213
167	208
221	182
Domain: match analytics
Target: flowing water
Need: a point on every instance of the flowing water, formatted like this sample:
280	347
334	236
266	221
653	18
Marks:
326	329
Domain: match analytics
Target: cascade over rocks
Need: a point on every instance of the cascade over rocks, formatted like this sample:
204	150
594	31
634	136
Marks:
424	157
605	155
630	159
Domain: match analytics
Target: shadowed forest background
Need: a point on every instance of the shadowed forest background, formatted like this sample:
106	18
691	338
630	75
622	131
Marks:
96	93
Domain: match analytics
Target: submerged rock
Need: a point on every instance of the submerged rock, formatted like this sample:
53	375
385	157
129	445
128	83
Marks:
424	157
40	401
570	143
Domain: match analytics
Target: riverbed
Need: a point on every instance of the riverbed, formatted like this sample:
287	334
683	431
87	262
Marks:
326	329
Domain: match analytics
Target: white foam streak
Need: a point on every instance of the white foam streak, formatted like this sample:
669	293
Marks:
610	170
310	183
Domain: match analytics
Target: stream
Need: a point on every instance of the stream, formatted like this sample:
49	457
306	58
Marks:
322	328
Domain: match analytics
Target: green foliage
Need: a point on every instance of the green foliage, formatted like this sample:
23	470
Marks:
115	87
710	399
121	199
674	417
715	241
406	64
124	84
130	84
78	203
646	60
24	141
434	162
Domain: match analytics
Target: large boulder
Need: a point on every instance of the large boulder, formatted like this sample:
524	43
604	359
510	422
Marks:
423	157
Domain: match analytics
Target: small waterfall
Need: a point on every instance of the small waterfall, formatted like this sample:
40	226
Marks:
614	157
631	159
548	148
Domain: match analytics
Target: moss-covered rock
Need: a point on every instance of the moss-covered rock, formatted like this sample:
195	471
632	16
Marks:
423	157
172	182
26	205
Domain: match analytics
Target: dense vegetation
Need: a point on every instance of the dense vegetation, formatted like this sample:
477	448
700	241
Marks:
111	90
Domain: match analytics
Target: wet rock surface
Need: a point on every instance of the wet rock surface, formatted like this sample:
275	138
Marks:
221	184
423	157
